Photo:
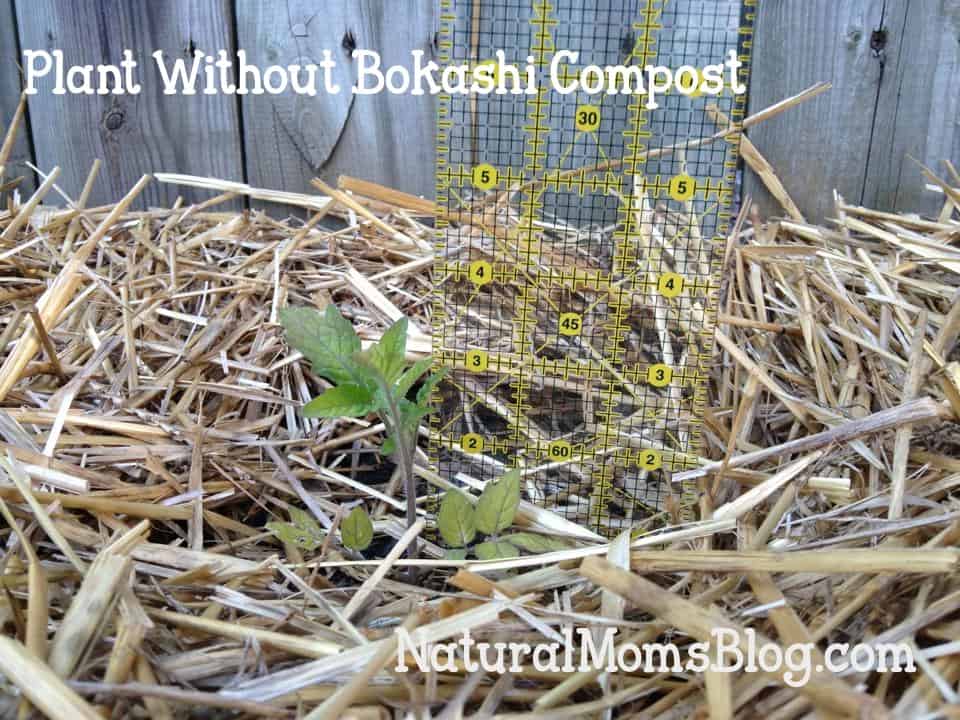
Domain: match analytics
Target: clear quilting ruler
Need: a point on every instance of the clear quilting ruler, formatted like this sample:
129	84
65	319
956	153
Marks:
578	251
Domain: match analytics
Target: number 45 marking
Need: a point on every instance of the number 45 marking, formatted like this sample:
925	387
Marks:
571	324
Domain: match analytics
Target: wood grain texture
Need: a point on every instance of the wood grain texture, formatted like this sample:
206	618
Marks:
825	143
918	106
385	138
10	97
896	96
133	134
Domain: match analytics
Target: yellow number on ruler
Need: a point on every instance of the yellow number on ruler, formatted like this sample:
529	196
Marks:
682	187
570	324
659	375
481	272
588	118
471	443
650	460
670	285
485	176
690	79
477	360
559	450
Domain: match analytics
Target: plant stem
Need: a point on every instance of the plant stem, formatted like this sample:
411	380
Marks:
405	453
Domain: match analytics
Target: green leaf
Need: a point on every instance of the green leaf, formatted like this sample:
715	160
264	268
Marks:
537	544
410	415
423	394
412	412
347	400
498	504
303	531
496	550
305	521
289	534
456	519
389	355
388	446
410	377
356	530
328	341
455	553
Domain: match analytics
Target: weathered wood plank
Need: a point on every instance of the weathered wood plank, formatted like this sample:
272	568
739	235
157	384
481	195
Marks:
133	134
918	106
824	143
10	98
896	96
384	137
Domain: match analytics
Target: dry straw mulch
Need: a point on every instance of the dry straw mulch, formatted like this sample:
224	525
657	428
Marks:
150	428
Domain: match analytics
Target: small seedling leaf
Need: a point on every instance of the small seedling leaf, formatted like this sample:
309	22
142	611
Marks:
292	535
455	553
456	519
328	341
498	504
302	532
389	355
496	550
410	415
356	530
305	521
534	543
388	447
347	400
423	394
410	377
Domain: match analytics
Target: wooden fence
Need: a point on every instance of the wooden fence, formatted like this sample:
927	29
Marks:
895	102
894	65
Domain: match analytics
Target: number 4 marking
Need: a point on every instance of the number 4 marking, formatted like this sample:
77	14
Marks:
670	285
481	272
